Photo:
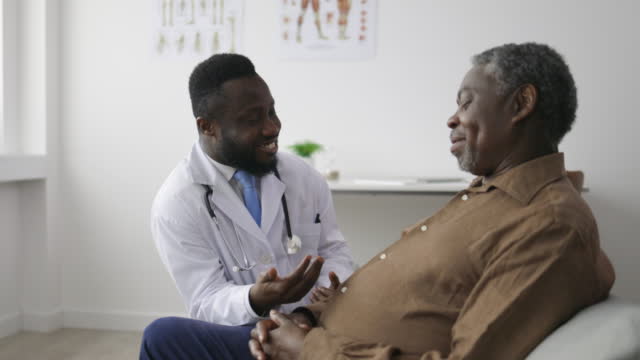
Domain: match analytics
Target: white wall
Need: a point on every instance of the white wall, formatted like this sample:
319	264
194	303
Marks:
126	122
10	253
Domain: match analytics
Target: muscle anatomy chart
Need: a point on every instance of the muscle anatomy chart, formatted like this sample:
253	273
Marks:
327	29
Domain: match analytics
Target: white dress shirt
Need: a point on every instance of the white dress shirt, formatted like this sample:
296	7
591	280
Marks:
228	172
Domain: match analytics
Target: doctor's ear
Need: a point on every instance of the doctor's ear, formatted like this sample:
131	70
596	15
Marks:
206	127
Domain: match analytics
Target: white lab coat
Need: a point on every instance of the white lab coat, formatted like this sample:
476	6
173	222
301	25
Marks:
199	260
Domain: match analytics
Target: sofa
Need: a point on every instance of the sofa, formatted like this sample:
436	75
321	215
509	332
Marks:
609	330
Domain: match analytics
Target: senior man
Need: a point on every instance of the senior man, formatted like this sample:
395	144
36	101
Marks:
497	269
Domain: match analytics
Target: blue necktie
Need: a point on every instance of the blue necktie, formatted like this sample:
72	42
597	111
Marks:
249	193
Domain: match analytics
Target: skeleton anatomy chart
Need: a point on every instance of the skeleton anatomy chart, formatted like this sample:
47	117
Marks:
196	28
327	29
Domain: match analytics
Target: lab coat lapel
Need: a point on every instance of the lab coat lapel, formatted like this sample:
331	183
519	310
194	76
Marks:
223	197
271	199
231	205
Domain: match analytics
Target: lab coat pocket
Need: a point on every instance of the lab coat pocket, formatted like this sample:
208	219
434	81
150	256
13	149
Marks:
309	235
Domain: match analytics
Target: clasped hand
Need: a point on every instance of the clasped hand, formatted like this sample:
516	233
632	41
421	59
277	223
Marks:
281	336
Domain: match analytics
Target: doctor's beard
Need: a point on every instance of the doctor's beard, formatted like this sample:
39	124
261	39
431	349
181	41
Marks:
243	157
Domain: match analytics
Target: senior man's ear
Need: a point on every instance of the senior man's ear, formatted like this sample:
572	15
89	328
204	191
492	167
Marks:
524	102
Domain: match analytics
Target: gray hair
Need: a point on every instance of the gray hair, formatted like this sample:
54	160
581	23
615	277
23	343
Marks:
513	65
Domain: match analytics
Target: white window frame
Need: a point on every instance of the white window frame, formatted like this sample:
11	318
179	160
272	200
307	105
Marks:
15	164
8	76
2	85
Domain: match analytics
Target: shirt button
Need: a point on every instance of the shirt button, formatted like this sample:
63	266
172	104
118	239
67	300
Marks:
343	290
423	227
383	256
465	197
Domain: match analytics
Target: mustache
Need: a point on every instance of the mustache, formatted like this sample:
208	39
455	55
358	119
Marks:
267	139
456	135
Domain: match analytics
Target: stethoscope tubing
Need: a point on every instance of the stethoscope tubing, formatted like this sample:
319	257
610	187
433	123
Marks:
246	265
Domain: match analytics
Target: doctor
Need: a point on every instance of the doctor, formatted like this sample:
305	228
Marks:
237	223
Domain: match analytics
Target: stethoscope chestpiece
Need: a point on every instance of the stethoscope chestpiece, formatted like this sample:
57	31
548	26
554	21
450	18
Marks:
294	244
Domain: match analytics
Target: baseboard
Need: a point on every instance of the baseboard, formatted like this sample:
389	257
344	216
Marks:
10	324
42	322
115	320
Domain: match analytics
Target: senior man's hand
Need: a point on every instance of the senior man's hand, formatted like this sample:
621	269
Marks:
279	338
272	290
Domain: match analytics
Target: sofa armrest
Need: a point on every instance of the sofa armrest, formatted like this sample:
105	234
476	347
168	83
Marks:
609	330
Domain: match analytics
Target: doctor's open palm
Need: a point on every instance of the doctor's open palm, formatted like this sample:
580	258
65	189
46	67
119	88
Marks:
271	290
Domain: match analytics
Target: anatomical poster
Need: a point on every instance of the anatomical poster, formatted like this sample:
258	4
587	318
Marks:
327	29
194	29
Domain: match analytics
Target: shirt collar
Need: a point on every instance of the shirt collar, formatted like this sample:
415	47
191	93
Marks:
202	169
226	170
525	180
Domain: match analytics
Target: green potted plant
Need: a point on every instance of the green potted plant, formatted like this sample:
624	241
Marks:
306	149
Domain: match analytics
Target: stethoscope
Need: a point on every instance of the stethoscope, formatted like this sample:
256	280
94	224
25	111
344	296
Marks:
293	241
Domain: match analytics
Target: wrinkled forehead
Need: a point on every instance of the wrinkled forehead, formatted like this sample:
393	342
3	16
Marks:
479	79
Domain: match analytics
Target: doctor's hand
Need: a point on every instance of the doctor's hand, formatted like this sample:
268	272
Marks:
278	338
272	290
324	294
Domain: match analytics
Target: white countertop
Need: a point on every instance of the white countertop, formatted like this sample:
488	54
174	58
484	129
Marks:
420	185
407	186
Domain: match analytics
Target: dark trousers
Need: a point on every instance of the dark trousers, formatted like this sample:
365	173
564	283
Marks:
183	339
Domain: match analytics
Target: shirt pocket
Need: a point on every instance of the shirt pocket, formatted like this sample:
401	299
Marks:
309	235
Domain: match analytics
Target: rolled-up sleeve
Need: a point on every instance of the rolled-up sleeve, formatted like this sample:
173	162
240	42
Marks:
529	287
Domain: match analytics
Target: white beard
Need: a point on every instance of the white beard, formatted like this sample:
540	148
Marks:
467	161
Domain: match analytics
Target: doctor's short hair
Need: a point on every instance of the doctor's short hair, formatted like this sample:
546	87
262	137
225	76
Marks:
513	65
207	79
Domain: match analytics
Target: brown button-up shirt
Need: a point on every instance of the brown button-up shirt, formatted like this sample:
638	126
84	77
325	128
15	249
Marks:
487	277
